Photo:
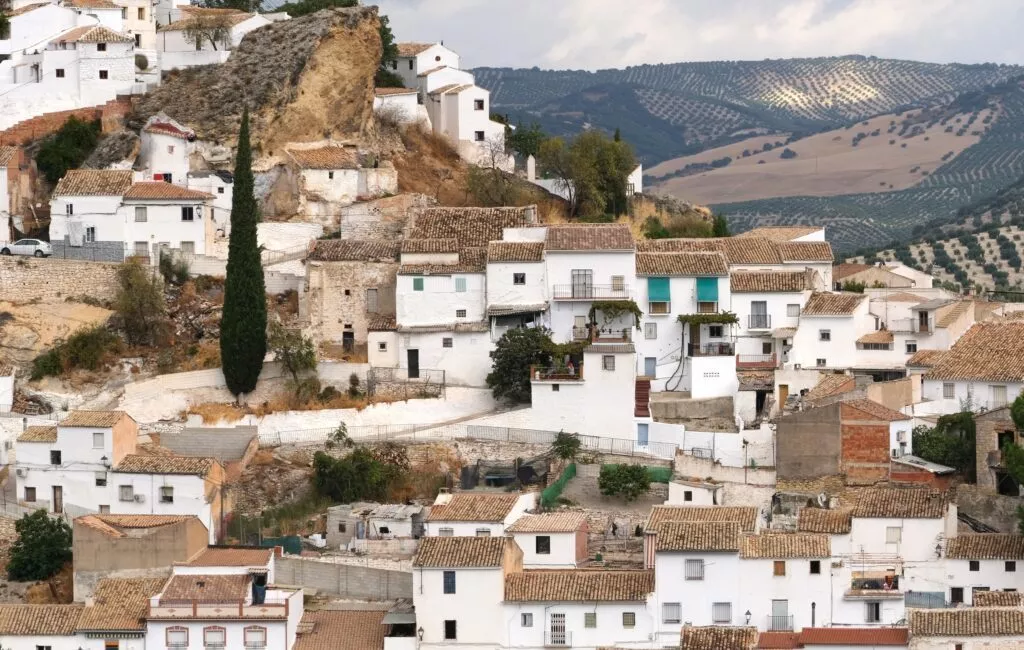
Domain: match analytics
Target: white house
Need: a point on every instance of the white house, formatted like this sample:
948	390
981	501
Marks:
92	63
517	288
6	387
835	522
415	59
469	514
166	215
969	628
164	150
553	540
768	305
785	233
399	104
330	176
461	113
177	44
830	324
982	562
83	211
785	580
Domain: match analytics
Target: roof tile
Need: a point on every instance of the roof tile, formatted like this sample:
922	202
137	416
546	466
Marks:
875	411
925	358
38	434
579	585
806	251
120	604
158	190
997	599
779	233
92	419
342	630
430	246
208	588
549	522
354	250
412	49
589	237
783	546
832	304
697	536
461	552
837	521
718	637
515	251
878	336
141	464
900	503
681	264
743	515
244	556
770	281
7	154
986	546
329	157
475	507
990	351
866	636
39	620
831	384
968	621
94	182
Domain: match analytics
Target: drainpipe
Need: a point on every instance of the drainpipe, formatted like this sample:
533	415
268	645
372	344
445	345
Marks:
813	605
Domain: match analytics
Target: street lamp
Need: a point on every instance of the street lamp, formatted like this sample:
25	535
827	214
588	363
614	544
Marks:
747	614
419	633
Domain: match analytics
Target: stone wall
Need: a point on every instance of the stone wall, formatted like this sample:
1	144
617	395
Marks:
335	299
355	582
999	512
23	279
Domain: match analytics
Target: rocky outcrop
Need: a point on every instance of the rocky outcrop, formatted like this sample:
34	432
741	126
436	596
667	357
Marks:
304	80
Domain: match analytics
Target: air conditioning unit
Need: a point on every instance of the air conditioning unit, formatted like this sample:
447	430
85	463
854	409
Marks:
140	498
20	471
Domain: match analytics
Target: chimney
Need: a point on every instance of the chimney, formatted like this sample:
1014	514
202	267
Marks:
531	213
531	168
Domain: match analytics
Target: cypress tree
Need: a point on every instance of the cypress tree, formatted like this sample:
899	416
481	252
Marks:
243	326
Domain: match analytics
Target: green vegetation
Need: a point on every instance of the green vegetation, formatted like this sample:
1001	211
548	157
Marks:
677	225
365	474
549	497
296	354
720	226
42	549
626	481
243	335
950	443
67	148
174	271
140	305
87	349
525	140
566	445
593	167
513	354
721	318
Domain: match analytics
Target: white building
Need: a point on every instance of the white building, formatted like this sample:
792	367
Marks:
399	104
415	59
553	540
830	324
785	580
982	562
517	288
469	514
173	39
768	305
330	176
6	387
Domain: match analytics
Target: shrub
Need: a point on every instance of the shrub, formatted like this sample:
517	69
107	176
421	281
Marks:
43	547
626	481
67	148
86	349
140	305
141	62
549	497
174	271
566	445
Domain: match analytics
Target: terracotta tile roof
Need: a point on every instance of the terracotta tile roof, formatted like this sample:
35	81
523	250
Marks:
232	556
900	503
342	630
806	251
509	251
412	49
836	521
846	269
430	246
158	190
779	233
756	379
589	237
998	599
900	296
382	323
579	585
385	92
770	281
830	385
120	604
866	636
511	310
968	621
229	17
474	327
92	419
743	515
875	411
878	336
39	620
112	524
472	227
354	250
21	11
782	546
698	536
38	434
681	264
475	507
94	182
140	464
209	588
166	128
681	245
93	34
549	522
778	641
718	637
91	4
195	10
442	89
430	71
832	304
990	351
952	314
986	546
7	154
439	269
925	358
456	552
329	157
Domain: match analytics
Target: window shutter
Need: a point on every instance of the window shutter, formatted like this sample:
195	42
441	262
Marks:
707	289
658	290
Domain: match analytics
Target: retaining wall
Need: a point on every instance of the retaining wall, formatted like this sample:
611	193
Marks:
344	580
23	279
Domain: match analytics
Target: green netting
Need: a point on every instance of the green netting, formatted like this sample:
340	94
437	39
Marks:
549	497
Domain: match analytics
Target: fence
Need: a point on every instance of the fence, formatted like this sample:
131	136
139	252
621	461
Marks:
550	495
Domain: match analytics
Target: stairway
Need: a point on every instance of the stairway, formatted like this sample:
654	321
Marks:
643	398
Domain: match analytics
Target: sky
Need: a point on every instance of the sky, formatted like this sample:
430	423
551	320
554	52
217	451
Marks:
595	34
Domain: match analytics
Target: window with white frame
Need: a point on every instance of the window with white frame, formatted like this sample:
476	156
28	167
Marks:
824	335
618	283
214	638
97	440
126	493
255	637
948	390
694	570
650	330
716	331
873	612
793	310
893	535
721	613
140	214
177	637
608	362
911	347
659	307
671	613
526	620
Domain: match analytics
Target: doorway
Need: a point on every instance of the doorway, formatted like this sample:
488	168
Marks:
780	616
58	499
783	394
557	632
641	434
413	359
651	367
348	341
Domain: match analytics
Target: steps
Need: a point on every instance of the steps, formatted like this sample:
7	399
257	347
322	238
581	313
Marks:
643	398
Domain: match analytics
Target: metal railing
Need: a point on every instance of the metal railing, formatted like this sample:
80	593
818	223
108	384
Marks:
756	361
710	350
759	322
591	292
612	334
556	373
780	623
912	325
581	333
558	639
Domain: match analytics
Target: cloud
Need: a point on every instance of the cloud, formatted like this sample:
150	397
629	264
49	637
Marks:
593	34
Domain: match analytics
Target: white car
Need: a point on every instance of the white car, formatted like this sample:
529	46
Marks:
35	247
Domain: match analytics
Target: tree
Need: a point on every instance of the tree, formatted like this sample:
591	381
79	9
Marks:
950	443
487	182
140	304
525	140
212	28
1017	412
719	226
42	549
593	168
67	148
513	354
626	481
248	6
243	329
566	445
295	352
852	286
356	477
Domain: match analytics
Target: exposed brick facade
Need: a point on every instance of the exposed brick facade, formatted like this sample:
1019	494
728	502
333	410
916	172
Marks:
865	447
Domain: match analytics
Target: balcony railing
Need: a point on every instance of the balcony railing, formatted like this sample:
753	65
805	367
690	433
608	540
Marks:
581	333
558	639
177	609
912	325
612	335
780	623
591	292
710	350
756	362
556	373
759	322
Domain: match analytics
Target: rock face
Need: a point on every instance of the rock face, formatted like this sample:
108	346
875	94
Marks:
304	80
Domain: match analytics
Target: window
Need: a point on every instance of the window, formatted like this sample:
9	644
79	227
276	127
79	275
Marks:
478	104
255	637
214	637
875	346
479	136
874	612
1010	566
101	47
188	213
450	631
694	569
948	391
815	567
166	494
628	619
177	637
974	565
821	363
220	190
707	307
104	74
445	532
893	535
792	310
590	619
101	479
126	493
417	284
104	510
449	582
659	307
671	613
142	13
543	544
342	527
608	362
90	234
824	335
170	148
526	620
410	64
140	214
483	532
460	313
555	388
779	568
59	72
446	342
956	595
911	347
138	40
330	176
30	494
715	331
54	457
97	440
111	645
382	347
69	209
688	495
650	330
721	613
518	278
188	247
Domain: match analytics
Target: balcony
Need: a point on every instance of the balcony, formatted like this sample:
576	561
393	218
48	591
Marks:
591	292
556	374
874	586
756	362
910	325
759	322
780	623
596	334
557	639
183	609
710	350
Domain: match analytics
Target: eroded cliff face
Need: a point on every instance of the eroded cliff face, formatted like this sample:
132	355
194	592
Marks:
304	80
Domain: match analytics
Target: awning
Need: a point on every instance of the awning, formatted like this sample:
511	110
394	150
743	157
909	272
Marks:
512	310
707	289
658	290
784	333
399	618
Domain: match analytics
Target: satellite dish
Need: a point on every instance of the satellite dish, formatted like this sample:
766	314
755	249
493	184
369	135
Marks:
823	500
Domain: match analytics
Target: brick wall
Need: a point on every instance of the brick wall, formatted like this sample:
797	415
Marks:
865	447
111	116
23	279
